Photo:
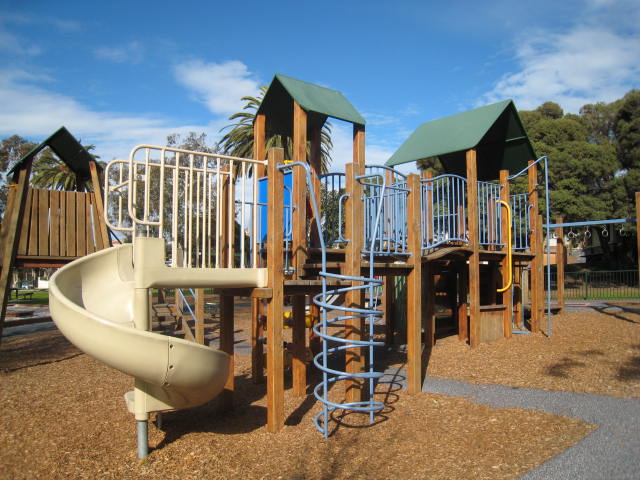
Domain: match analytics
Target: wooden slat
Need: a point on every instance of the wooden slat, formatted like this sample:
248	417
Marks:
89	237
474	258
70	224
259	142
414	287
54	223
102	236
62	239
23	246
81	217
32	247
43	222
275	238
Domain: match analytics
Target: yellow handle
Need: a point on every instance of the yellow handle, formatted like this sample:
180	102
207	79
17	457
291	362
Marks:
509	248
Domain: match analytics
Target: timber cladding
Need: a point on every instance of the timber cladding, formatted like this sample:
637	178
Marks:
60	224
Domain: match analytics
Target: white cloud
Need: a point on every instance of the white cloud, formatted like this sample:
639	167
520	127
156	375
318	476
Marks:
219	86
32	111
15	45
584	65
132	52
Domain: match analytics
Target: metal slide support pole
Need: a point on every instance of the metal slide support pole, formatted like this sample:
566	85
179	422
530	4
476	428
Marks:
142	427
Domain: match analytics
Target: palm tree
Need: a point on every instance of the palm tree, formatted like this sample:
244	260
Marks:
238	141
52	173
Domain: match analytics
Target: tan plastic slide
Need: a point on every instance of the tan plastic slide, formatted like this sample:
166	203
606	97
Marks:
92	301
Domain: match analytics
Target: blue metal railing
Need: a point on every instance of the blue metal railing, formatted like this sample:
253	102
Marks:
489	215
385	211
444	210
332	196
520	208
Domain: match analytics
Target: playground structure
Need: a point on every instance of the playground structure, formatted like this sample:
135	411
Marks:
270	227
51	228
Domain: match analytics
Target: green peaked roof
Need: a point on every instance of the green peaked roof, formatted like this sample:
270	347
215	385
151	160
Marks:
67	148
495	131
319	103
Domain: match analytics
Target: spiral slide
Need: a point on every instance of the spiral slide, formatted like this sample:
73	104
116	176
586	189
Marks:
93	302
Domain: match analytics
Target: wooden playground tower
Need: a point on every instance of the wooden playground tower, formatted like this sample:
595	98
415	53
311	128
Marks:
295	108
50	228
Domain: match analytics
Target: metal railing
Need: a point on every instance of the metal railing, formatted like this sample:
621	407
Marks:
203	204
489	215
385	211
332	195
597	285
520	208
444	210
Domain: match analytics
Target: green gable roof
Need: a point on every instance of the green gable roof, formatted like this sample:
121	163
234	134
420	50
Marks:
319	103
495	131
67	148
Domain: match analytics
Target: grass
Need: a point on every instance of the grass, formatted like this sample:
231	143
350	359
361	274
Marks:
39	297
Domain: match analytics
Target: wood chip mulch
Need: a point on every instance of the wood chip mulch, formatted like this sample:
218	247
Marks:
63	415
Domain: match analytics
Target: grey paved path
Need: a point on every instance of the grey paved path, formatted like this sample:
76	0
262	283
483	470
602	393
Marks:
612	452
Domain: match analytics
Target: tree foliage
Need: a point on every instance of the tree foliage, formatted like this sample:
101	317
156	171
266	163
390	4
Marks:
12	149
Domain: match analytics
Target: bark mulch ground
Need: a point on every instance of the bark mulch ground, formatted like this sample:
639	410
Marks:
63	415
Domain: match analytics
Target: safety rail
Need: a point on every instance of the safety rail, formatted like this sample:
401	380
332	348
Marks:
332	196
520	207
385	211
444	210
203	204
489	215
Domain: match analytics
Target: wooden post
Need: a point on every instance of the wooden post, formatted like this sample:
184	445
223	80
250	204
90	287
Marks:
315	161
463	292
9	235
507	297
299	193
260	142
534	245
540	273
561	258
199	320
474	258
358	144
298	363
414	287
387	307
275	239
257	349
226	344
429	305
97	190
352	267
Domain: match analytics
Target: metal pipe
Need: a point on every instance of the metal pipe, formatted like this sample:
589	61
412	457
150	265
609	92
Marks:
509	250
142	428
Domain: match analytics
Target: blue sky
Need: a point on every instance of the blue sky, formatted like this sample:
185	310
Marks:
117	74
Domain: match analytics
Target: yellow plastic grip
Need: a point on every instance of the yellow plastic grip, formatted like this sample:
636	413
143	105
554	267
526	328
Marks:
509	248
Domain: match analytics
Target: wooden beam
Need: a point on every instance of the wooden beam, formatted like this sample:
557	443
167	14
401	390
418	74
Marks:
561	258
540	271
298	363
358	144
257	348
534	245
463	292
507	297
474	258
414	287
260	142
352	263
9	235
100	223
299	191
199	311
275	238
388	293
226	345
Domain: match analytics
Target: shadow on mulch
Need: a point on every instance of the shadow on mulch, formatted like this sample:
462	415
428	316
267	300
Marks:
630	371
41	348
